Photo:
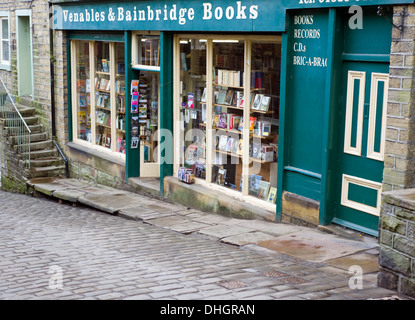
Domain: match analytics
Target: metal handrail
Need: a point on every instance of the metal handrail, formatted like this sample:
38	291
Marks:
19	130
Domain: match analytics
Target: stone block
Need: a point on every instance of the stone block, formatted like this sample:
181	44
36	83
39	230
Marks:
392	224
387	280
395	261
408	287
405	245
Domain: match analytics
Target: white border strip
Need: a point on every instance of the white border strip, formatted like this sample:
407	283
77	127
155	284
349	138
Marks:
371	153
353	75
346	180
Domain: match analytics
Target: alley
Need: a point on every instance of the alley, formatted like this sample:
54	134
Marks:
59	251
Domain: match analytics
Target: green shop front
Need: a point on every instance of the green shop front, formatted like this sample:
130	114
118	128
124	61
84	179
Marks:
280	105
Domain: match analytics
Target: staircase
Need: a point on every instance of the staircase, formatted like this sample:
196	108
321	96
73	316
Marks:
43	157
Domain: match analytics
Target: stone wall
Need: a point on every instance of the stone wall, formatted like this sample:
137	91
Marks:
399	169
41	54
397	242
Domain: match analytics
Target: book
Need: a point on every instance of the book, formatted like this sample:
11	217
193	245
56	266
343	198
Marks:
80	86
134	86
267	153
221	96
190	100
252	121
105	66
266	129
240	147
257	101
203	99
235	146
222	121
82	101
254	180
229	144
256	146
265	101
223	141
263	190
220	178
272	195
228	97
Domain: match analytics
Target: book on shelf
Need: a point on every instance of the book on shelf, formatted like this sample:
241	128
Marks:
80	84
105	65
267	153
82	101
234	122
229	144
118	144
232	78
88	85
257	101
235	145
222	121
228	97
121	68
221	96
265	101
82	116
103	84
220	178
222	142
254	180
240	147
257	79
190	100
272	195
263	189
203	99
252	121
120	86
142	111
256	150
108	140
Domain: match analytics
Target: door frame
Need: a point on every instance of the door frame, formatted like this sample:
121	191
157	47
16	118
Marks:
19	14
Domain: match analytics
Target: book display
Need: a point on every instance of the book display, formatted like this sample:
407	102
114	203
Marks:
83	91
193	107
243	128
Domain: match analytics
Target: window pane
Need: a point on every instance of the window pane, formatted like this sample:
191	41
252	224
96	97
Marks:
148	50
5	29
5	51
148	89
102	94
83	90
120	97
264	114
193	105
227	111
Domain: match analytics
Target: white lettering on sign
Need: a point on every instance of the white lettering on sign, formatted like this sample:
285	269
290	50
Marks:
303	29
237	11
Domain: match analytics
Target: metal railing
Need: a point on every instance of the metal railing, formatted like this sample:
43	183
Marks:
19	132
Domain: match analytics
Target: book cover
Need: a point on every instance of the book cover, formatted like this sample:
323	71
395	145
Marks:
229	145
222	143
134	86
203	99
220	178
228	97
254	180
263	189
81	86
235	146
256	146
222	121
190	100
221	96
105	66
252	121
82	101
272	195
257	101
265	101
240	147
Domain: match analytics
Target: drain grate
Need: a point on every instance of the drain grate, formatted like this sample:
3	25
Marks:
275	274
284	277
293	280
233	284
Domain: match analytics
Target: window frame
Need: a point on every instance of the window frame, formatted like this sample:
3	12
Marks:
5	64
74	102
210	38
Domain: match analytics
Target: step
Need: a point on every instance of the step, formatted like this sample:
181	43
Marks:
34	128
35	137
26	101
26	111
41	154
50	171
46	162
34	146
16	123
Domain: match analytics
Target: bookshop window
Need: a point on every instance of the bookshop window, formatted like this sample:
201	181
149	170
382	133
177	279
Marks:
98	72
229	112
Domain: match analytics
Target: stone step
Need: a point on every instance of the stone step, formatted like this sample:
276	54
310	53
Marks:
50	171
30	120
33	146
26	111
41	154
34	128
26	101
46	162
35	137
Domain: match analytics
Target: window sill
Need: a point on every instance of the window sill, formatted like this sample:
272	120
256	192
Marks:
96	153
5	67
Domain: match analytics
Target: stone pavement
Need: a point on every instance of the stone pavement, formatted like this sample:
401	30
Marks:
167	251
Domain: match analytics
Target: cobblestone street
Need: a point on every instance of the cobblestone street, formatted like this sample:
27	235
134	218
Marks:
59	251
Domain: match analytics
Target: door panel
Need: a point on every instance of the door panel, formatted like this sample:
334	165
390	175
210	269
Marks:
360	168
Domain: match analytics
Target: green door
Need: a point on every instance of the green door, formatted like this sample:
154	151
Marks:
361	129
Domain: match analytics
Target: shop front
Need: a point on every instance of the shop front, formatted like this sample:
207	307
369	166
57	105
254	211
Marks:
278	105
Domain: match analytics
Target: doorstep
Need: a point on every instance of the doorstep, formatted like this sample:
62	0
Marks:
213	198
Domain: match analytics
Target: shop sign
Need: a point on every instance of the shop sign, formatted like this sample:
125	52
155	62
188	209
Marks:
190	15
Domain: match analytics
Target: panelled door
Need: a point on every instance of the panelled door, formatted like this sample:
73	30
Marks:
360	162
